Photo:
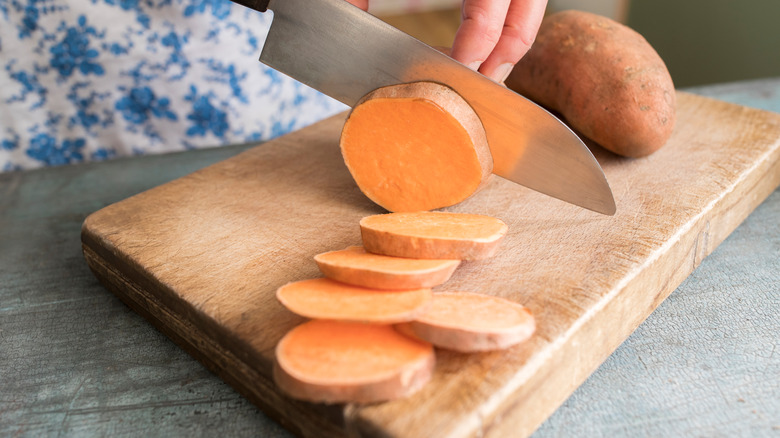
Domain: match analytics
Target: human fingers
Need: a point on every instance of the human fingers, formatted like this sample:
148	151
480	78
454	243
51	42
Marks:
362	4
519	31
479	31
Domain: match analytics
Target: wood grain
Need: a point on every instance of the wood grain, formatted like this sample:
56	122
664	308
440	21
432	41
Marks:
202	256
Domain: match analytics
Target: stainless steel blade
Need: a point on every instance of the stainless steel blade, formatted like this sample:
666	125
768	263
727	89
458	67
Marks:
345	53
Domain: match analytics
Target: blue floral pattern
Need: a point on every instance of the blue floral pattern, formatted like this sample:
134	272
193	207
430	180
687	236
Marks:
74	51
99	79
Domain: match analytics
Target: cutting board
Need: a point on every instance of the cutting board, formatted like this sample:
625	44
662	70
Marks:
202	256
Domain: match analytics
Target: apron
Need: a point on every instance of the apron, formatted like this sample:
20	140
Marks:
96	79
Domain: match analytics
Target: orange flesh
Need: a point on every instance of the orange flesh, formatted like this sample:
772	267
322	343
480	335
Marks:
474	312
409	154
356	266
327	299
356	257
439	225
331	353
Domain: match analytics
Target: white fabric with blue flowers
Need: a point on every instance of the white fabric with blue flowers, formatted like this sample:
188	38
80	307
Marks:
85	80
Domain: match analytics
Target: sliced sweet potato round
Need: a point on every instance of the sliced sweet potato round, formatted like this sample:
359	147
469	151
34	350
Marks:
432	235
470	322
322	298
354	265
338	362
414	147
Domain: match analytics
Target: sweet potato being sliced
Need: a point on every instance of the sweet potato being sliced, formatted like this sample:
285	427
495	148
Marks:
469	322
327	299
416	147
332	362
432	235
356	266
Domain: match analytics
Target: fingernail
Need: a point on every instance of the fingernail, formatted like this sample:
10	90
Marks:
475	65
502	71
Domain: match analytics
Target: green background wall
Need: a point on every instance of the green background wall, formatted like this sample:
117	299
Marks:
711	41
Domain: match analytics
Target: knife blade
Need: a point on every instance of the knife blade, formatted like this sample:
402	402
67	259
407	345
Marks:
345	52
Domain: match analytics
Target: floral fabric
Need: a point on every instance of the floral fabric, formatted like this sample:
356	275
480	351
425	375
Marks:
84	80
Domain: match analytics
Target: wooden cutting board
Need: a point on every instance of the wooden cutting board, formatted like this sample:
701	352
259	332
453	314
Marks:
202	256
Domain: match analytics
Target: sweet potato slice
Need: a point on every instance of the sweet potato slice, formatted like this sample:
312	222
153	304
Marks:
356	266
432	235
469	322
332	362
327	299
416	147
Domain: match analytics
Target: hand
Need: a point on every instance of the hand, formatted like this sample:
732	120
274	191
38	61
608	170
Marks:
362	4
495	34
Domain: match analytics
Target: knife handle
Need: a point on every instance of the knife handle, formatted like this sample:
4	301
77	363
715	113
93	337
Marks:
258	5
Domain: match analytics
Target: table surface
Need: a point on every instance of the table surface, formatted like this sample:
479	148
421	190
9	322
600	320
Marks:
74	360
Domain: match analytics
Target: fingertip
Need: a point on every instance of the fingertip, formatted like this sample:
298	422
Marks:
519	32
500	73
362	4
467	50
479	32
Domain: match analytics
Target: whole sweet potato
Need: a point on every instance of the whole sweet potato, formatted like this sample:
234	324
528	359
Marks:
604	78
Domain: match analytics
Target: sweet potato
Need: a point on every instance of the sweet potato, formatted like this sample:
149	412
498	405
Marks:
604	78
414	147
331	362
432	235
327	299
356	266
470	322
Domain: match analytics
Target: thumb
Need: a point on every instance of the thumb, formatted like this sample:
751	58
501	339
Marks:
362	4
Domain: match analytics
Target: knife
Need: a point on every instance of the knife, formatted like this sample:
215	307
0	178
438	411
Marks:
345	52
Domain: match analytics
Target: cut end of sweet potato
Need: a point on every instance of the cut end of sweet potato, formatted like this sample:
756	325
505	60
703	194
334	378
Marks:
433	235
335	362
356	266
322	298
470	322
416	147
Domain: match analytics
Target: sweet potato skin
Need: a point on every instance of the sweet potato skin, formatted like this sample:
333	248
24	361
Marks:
470	322
322	298
381	242
395	387
381	235
391	383
604	78
385	279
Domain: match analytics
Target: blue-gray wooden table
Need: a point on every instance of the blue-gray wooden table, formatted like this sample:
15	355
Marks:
75	361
